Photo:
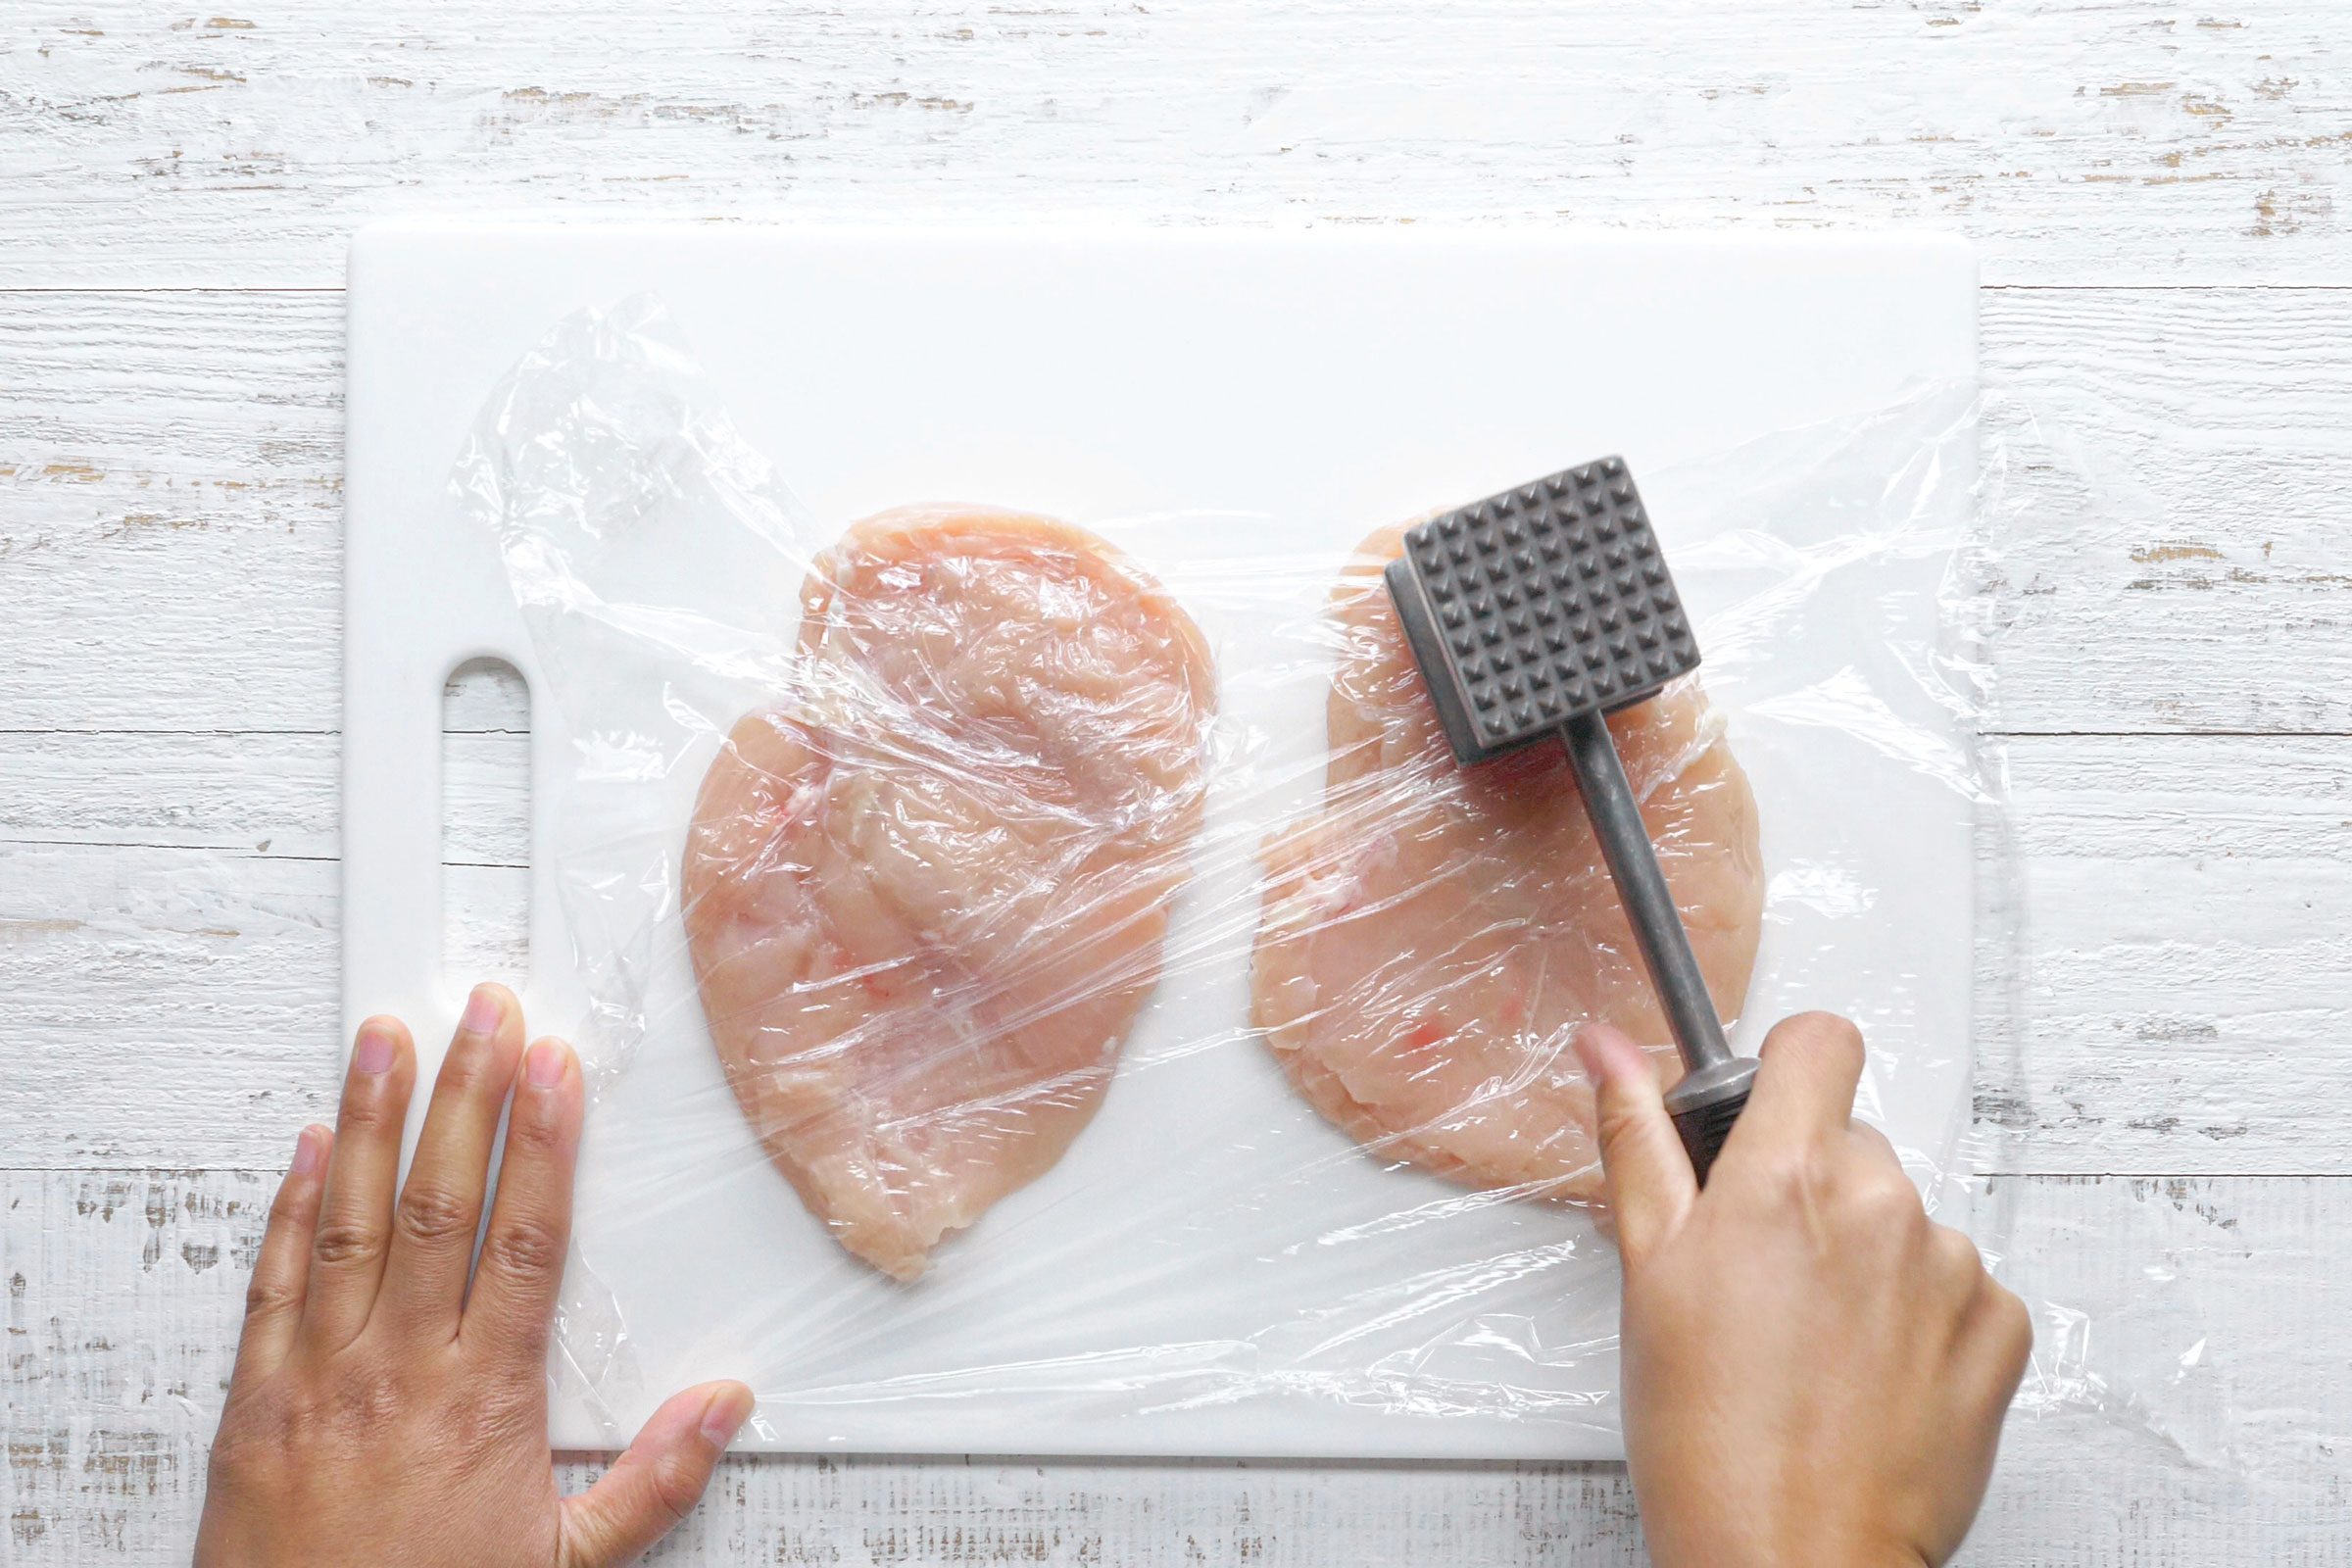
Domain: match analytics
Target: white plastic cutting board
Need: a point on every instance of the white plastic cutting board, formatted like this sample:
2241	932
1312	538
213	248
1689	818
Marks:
1096	374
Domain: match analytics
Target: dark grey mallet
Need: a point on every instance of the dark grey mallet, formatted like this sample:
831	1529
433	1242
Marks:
1533	613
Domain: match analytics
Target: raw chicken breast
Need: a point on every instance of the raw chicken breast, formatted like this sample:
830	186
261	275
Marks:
1430	940
925	898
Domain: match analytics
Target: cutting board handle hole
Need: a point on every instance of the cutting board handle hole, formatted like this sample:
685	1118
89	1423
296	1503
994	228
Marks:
486	824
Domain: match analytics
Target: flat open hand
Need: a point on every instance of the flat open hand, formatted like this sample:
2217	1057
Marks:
389	1404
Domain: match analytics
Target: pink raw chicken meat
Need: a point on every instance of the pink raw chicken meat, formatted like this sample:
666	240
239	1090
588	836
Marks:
927	896
1430	940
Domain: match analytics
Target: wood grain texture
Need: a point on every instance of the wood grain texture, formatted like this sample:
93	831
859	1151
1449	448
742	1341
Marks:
2177	1435
2180	560
171	467
2174	660
173	471
2086	142
2186	1000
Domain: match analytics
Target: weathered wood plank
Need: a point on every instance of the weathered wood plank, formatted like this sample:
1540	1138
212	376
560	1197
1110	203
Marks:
2170	1416
2082	142
2221	1396
2205	586
183	1000
170	507
2187	990
171	511
260	793
172	542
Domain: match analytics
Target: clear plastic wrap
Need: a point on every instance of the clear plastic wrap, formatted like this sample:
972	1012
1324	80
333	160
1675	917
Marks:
1050	989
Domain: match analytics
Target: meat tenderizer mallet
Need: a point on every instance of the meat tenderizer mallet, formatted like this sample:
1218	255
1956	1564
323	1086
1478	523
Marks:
1533	613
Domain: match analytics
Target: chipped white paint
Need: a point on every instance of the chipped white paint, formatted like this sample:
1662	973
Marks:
2176	670
2086	141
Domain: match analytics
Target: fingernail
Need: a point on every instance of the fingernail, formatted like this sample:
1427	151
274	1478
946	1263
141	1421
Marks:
373	1053
307	1147
544	1064
725	1414
483	1011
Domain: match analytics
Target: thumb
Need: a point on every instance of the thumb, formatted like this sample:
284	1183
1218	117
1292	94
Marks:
658	1482
1650	1185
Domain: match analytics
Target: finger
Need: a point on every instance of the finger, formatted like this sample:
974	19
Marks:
521	1266
1650	1184
441	1201
1959	1266
355	1214
658	1482
1805	1083
281	1269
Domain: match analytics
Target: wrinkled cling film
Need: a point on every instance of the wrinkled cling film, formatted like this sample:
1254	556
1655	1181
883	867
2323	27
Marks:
1049	991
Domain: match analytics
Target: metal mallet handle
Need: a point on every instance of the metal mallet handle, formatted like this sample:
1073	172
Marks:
1715	1083
1531	613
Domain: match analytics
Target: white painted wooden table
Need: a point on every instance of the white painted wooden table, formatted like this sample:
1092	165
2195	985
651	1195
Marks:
2156	192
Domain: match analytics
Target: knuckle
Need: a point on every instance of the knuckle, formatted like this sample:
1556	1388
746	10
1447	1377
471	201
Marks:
246	1460
256	1438
367	1399
287	1207
434	1216
1613	1120
677	1487
1786	1175
1887	1200
1803	1175
534	1133
368	1111
344	1242
525	1249
1958	1254
1873	1145
270	1297
1823	1034
2013	1325
494	1409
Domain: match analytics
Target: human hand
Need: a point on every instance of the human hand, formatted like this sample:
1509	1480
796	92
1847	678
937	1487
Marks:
1814	1372
383	1413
